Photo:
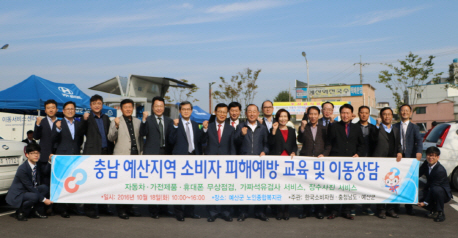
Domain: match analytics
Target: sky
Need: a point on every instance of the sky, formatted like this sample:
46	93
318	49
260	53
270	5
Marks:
88	42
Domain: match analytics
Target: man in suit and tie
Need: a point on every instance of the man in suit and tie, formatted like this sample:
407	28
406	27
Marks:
125	133
29	138
437	190
346	140
387	143
95	126
313	137
411	141
186	138
267	109
67	143
235	109
42	132
219	137
26	191
327	109
155	127
252	138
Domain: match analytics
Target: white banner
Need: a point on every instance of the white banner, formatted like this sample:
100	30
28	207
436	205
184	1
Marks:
232	180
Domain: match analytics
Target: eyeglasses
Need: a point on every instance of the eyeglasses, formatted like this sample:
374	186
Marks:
221	112
186	109
69	109
268	107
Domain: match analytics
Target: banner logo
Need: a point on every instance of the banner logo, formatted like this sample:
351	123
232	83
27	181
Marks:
65	90
77	183
392	180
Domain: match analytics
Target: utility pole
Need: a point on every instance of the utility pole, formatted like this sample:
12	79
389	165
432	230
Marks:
361	64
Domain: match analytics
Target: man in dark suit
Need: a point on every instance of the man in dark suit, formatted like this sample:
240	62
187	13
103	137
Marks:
26	191
346	140
67	143
219	137
252	138
235	109
29	138
186	138
267	109
387	144
327	109
313	137
42	132
437	190
95	126
411	141
155	127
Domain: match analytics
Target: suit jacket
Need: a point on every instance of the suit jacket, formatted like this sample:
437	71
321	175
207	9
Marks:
150	129
278	144
380	138
311	147
264	121
89	128
237	147
177	137
121	136
226	146
437	177
43	133
341	145
22	183
66	145
414	141
369	143
253	143
27	141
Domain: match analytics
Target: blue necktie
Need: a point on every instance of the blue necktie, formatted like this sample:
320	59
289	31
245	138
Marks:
34	176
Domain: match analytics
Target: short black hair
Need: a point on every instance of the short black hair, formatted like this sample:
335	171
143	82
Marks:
251	104
346	105
359	109
127	100
95	98
50	101
185	103
69	102
262	106
322	105
434	123
235	104
29	132
403	105
221	105
277	115
384	109
157	98
32	147
315	108
433	150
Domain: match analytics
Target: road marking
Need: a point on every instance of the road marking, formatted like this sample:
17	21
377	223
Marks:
455	206
455	199
6	213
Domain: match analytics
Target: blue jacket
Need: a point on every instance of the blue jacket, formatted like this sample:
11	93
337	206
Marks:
253	143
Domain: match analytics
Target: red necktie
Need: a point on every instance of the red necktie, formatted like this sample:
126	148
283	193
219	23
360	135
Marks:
219	133
346	129
233	124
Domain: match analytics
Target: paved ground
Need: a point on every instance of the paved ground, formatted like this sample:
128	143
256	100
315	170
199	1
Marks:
362	226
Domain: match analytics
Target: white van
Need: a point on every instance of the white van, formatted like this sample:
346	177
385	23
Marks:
11	156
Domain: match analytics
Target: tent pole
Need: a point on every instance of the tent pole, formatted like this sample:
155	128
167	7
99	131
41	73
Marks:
23	126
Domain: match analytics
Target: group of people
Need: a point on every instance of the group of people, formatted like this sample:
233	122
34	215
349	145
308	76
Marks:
157	134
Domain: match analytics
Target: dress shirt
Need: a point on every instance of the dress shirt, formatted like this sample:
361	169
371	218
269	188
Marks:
191	131
269	123
404	126
33	166
236	122
252	127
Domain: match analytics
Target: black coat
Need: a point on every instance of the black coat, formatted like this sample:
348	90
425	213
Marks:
27	141
150	129
278	144
179	140
315	147
379	137
371	142
43	133
226	146
66	145
89	128
341	145
438	177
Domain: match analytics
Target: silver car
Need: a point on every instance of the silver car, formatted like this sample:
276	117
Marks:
11	156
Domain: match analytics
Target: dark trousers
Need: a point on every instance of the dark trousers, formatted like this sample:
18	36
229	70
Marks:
241	210
45	178
30	200
260	209
213	210
188	210
120	209
385	207
158	209
437	198
319	208
279	210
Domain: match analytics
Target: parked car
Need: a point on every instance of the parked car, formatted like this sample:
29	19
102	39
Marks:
11	156
445	137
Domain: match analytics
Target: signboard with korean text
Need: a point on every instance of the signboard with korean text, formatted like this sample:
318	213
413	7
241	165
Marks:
330	91
298	108
232	180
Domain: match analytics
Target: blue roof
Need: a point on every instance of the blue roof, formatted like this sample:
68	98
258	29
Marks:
29	96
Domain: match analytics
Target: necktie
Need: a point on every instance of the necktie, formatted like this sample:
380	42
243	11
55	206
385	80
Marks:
233	124
346	129
327	123
188	135
161	131
34	176
403	135
219	133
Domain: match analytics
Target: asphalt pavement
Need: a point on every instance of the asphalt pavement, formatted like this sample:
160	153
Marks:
145	226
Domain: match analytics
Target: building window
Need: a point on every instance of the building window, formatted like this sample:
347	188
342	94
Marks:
418	95
421	110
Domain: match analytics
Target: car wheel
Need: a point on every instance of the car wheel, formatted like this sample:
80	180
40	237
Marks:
455	178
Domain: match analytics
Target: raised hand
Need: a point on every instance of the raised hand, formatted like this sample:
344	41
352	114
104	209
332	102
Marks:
145	115
116	120
205	125
85	116
244	130
39	120
59	124
176	121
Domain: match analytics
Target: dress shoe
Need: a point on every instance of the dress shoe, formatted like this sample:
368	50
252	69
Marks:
93	216
302	216
262	217
65	214
368	212
76	212
320	215
349	216
155	215
108	213
50	212
382	215
123	216
286	216
353	212
392	214
211	219
410	211
332	216
431	215
279	216
21	217
166	214
440	217
193	216
242	217
180	217
134	213
36	214
227	218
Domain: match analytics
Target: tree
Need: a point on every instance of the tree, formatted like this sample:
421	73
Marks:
181	94
283	96
240	88
405	81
